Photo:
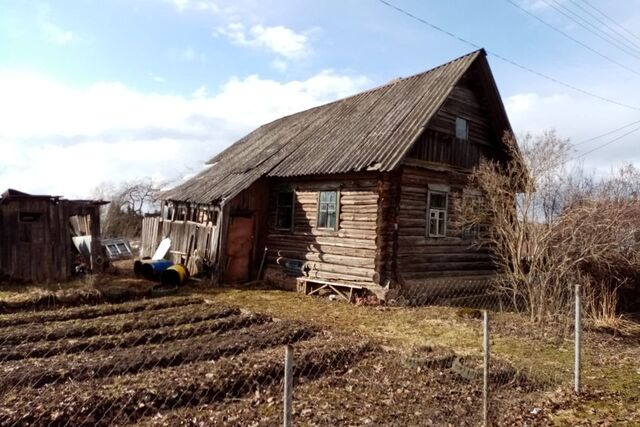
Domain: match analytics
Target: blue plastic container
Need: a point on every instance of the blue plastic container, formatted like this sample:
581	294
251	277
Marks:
152	269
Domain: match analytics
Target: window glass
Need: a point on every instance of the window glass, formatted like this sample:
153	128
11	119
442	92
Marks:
327	209
284	210
462	128
437	214
438	201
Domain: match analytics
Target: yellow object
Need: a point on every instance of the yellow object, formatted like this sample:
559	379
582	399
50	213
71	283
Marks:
175	275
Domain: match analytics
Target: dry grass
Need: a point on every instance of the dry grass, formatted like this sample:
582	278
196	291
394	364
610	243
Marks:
610	365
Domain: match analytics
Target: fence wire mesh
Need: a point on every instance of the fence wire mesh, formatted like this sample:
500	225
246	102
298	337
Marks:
219	359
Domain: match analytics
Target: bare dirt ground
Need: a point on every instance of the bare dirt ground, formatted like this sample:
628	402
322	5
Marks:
214	356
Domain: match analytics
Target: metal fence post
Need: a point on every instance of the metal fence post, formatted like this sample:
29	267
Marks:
485	376
288	385
577	339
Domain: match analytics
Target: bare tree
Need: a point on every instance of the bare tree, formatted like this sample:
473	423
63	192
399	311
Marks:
549	228
129	202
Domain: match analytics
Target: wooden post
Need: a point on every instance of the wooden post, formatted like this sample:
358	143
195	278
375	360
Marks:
288	385
225	213
96	245
485	376
577	340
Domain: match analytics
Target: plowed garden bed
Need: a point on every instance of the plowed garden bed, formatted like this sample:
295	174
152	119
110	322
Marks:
119	364
192	361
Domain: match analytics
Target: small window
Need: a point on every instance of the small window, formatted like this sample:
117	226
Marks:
30	227
437	214
471	232
284	210
462	129
29	216
327	208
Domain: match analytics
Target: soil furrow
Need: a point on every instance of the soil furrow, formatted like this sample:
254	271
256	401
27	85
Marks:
42	349
111	325
79	367
127	399
92	312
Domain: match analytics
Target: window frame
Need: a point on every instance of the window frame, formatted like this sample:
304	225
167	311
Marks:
30	227
474	231
292	207
441	233
337	209
466	123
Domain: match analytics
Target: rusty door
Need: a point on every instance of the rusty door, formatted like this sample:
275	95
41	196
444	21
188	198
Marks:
239	249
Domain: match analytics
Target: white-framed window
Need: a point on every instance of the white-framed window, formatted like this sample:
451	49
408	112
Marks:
328	210
462	128
284	210
437	214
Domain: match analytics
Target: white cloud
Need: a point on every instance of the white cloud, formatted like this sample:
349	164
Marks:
278	39
188	54
197	5
279	64
56	35
156	78
58	139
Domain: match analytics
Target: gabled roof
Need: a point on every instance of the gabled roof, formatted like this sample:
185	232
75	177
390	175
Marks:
372	130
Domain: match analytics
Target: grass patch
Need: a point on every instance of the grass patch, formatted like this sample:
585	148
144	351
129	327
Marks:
544	357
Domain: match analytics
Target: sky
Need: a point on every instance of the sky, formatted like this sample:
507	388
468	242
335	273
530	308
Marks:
117	90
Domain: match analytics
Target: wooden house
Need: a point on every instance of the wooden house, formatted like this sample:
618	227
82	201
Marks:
352	194
36	236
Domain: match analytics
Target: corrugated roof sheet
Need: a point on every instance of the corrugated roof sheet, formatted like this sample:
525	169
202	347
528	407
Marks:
372	130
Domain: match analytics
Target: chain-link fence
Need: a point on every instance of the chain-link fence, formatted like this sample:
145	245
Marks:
450	352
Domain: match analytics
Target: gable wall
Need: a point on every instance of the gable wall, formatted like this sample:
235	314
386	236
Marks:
422	257
439	143
439	158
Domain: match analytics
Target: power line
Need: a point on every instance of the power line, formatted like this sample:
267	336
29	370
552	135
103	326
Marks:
590	27
507	60
579	6
575	40
606	144
610	19
606	133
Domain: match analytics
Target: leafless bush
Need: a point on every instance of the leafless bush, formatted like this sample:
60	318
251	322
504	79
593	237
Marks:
551	228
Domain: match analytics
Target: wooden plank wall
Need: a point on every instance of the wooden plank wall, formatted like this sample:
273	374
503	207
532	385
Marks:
48	256
421	257
348	254
251	202
439	144
186	237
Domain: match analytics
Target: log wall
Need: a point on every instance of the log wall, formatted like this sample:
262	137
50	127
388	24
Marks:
348	254
420	257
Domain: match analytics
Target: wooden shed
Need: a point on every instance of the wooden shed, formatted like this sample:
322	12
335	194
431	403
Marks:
355	194
36	235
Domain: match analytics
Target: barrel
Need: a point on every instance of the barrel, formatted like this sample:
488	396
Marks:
175	275
152	269
137	267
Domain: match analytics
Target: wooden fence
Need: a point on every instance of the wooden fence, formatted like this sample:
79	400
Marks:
189	240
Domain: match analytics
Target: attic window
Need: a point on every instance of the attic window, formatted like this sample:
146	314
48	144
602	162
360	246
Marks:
462	129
